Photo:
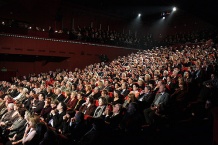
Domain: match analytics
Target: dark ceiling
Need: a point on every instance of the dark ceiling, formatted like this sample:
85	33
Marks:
204	9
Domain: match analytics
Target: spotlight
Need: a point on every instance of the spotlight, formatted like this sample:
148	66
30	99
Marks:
174	9
30	27
3	23
163	18
139	15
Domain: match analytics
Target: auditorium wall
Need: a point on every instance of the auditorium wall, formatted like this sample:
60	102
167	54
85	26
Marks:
76	54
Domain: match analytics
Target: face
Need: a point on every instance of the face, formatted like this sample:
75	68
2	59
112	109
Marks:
116	108
73	95
59	107
87	100
123	86
212	76
135	87
100	102
115	94
79	96
161	89
41	97
53	105
146	90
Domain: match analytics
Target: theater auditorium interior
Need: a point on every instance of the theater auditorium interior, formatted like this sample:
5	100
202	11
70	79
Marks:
115	72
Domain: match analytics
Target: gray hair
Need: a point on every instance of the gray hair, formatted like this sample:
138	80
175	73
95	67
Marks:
11	105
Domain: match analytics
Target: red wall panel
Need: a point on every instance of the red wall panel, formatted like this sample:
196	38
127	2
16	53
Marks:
79	55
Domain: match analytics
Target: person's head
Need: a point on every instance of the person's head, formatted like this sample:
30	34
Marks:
147	89
17	106
135	87
41	97
89	100
100	84
54	104
168	79
147	77
156	77
79	96
73	95
88	88
140	82
58	91
116	94
102	101
124	86
61	107
33	120
106	83
116	85
131	97
130	81
48	101
21	112
96	90
117	108
27	115
49	89
104	93
165	73
32	92
25	90
162	88
212	76
186	74
10	106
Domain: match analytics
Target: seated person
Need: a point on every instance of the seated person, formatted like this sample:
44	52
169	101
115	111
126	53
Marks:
88	108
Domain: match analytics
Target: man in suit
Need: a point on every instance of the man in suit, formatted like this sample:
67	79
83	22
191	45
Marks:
79	102
96	94
8	118
114	119
59	96
40	104
124	90
146	97
19	124
159	105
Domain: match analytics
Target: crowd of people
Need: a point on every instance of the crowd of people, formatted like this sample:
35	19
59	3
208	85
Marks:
153	88
140	40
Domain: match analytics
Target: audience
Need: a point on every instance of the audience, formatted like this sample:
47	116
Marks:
147	89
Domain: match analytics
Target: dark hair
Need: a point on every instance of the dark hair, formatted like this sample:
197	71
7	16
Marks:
43	95
64	106
105	92
137	85
91	100
79	116
71	112
19	105
148	87
41	129
22	111
104	100
118	92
